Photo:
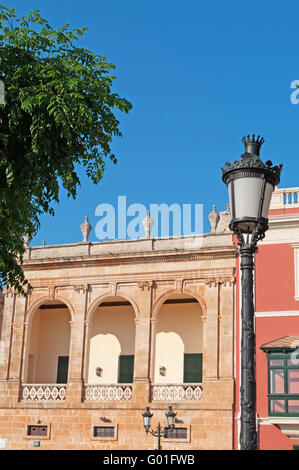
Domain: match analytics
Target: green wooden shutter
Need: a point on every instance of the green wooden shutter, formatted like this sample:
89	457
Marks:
62	369
125	369
192	368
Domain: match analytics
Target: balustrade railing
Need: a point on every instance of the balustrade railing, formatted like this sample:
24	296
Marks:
283	198
100	392
176	392
48	392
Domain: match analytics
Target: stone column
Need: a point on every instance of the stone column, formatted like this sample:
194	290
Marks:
16	352
210	340
142	343
211	331
75	372
5	345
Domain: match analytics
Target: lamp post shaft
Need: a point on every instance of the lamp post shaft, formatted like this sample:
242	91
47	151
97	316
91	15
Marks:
159	436
248	436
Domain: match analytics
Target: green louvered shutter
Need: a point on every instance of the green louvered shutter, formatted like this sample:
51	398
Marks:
62	369
125	369
192	368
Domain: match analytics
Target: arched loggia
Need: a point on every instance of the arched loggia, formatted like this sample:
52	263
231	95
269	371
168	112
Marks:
48	348
178	341
111	342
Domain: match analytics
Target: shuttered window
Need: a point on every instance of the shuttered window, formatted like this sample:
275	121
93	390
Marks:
125	369
62	369
103	431
175	433
37	430
192	368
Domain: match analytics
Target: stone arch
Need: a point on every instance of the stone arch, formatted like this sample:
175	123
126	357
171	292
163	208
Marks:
47	341
178	339
110	339
166	295
96	302
35	306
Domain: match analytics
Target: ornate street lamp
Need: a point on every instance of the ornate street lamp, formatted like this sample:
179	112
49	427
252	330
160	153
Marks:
250	184
159	432
170	415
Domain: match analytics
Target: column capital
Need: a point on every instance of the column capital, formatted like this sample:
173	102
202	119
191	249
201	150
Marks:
81	288
146	284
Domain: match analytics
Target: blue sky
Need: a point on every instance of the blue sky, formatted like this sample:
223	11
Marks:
200	75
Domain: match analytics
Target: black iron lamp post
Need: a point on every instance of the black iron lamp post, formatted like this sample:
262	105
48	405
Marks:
250	184
159	432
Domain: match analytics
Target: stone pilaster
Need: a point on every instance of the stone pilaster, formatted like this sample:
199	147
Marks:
142	343
17	338
7	326
75	372
210	339
226	328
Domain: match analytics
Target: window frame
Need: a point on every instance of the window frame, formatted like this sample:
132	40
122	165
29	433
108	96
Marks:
120	372
104	425
199	371
60	359
44	424
286	397
181	439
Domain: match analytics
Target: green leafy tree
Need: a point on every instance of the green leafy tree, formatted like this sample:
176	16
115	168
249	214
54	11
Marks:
58	114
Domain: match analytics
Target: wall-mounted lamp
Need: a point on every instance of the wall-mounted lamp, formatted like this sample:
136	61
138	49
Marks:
162	371
99	371
104	419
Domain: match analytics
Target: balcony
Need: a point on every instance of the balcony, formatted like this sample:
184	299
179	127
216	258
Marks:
46	392
285	198
117	392
176	392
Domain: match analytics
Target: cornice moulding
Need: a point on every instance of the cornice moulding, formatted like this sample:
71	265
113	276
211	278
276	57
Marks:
208	275
153	257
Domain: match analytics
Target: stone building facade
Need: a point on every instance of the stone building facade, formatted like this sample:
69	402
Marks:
110	328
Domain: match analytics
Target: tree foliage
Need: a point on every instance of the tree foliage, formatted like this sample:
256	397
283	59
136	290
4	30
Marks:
58	113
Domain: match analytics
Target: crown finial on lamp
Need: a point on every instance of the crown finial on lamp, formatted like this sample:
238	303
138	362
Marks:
253	144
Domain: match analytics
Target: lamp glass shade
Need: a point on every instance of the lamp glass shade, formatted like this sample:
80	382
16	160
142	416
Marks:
247	193
146	421
170	417
267	200
249	199
147	418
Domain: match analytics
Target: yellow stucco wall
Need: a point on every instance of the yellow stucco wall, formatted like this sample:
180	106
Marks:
49	338
112	333
178	332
